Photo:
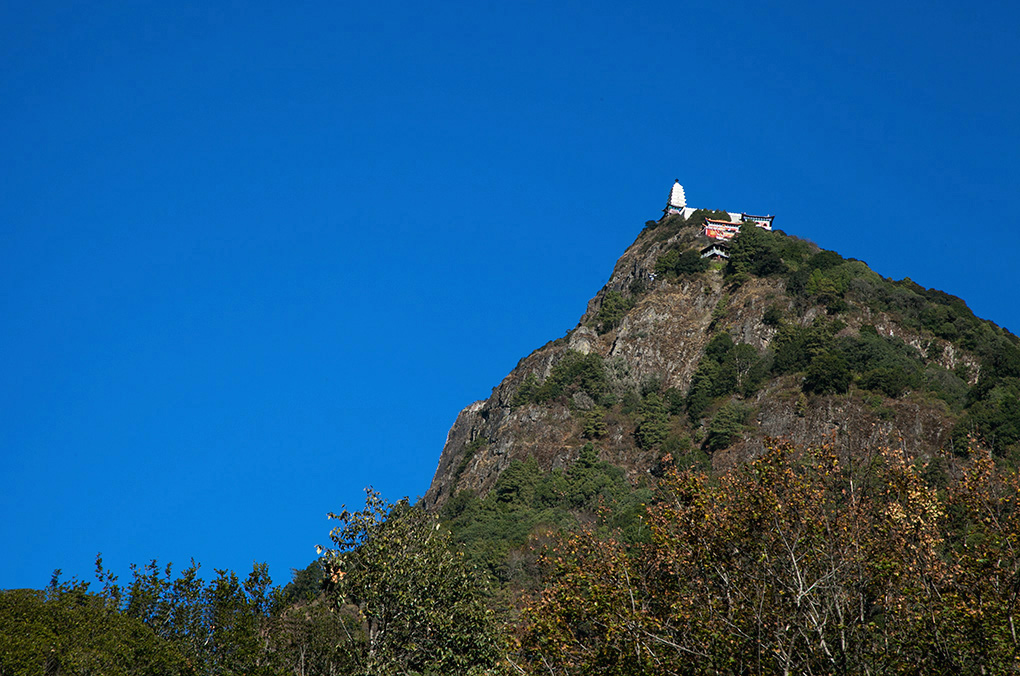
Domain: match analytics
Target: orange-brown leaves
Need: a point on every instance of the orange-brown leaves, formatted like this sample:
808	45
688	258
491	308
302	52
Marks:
797	562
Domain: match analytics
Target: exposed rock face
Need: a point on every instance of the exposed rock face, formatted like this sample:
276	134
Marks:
661	338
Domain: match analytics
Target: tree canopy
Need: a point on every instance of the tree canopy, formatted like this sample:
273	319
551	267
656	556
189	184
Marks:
420	608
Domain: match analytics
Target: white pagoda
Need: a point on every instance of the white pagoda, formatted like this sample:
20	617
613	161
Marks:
677	203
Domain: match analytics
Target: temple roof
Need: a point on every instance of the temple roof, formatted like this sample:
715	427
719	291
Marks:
677	198
717	248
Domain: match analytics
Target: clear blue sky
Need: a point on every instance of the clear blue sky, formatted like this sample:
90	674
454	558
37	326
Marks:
254	258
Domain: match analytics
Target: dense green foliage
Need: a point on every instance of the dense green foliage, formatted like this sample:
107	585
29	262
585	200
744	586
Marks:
614	307
494	530
158	623
595	424
675	263
828	373
68	630
400	600
756	251
727	368
882	364
727	426
418	607
993	417
575	372
654	425
834	364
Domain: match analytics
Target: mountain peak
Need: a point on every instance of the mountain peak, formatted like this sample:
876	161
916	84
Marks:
704	344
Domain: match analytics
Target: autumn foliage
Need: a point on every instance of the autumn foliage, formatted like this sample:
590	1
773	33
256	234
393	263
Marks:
798	562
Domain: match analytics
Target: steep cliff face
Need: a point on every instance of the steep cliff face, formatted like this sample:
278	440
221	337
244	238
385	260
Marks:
650	332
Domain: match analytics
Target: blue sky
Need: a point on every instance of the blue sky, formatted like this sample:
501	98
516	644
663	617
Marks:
254	258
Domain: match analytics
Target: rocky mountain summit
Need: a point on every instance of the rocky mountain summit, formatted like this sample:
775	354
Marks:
696	352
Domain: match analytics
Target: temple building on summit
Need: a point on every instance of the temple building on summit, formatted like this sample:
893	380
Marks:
714	229
725	230
760	221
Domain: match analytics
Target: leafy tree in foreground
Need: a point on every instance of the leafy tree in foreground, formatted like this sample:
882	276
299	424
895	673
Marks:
162	623
221	626
420	608
312	639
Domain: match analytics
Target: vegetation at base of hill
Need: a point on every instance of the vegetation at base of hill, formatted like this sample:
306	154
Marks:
397	598
493	531
798	562
64	629
418	607
158	623
801	561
